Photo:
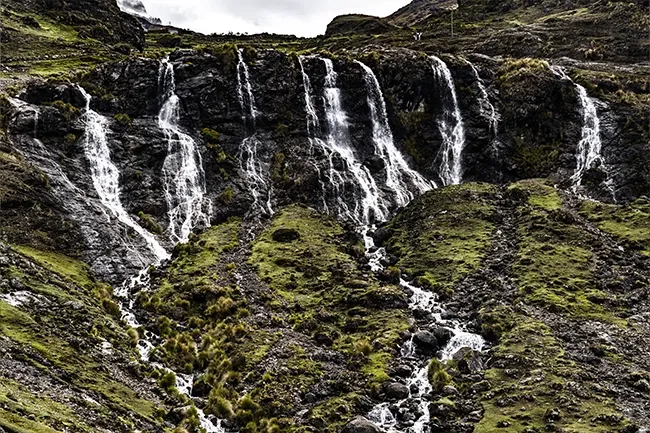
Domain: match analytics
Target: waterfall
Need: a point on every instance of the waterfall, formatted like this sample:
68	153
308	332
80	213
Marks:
397	170
370	205
313	130
106	176
249	161
590	145
487	108
450	125
183	174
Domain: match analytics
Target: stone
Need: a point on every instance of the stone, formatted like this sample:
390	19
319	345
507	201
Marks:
397	391
286	235
425	342
360	425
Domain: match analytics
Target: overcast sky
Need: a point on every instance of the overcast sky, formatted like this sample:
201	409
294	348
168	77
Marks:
299	17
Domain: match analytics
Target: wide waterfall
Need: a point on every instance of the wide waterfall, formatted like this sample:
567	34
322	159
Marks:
450	125
370	205
399	176
249	161
486	106
106	176
183	174
590	145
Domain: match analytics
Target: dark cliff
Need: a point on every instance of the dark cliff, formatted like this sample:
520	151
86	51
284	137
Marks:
329	276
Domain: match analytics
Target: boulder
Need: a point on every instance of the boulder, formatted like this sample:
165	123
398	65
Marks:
360	425
397	391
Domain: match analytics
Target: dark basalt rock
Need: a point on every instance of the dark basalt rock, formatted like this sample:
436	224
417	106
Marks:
360	425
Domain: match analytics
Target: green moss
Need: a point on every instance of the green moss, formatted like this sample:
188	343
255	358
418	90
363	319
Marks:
123	119
538	373
69	111
211	137
518	69
68	268
149	223
630	223
445	236
553	267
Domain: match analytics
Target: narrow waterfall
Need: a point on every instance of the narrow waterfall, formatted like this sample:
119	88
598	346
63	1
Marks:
370	206
183	174
249	161
106	176
487	108
313	130
398	174
450	125
590	145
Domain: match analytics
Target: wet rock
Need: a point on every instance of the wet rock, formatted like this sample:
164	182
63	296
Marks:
360	425
397	391
426	342
469	361
286	235
443	335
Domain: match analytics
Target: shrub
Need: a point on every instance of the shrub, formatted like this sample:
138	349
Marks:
227	196
134	336
123	119
438	377
362	347
148	223
111	307
168	381
221	407
221	308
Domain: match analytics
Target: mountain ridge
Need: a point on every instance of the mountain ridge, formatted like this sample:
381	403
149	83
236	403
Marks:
331	275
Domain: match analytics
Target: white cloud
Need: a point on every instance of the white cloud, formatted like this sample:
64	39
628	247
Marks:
299	17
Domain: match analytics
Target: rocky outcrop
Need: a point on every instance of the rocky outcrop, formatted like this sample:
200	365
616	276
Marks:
538	132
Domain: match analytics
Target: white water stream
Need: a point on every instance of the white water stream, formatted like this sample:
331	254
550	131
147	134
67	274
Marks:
250	163
183	174
450	125
404	182
487	108
589	149
106	176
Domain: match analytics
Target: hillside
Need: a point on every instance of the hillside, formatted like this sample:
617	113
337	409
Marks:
356	233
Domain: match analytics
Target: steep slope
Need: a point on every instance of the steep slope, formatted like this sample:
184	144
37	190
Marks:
272	234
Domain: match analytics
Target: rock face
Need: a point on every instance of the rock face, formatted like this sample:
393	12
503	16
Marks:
538	132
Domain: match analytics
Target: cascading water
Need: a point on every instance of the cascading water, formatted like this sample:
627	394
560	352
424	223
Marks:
313	129
398	174
106	181
250	163
106	176
590	146
450	125
418	383
369	204
183	174
487	108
